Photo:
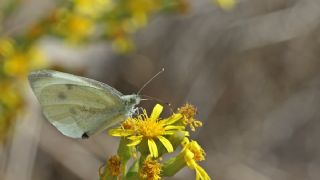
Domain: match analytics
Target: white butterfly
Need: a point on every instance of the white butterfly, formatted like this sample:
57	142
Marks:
79	107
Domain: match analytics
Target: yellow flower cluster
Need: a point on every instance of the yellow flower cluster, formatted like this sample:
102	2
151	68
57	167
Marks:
150	169
192	153
226	4
154	137
10	104
150	129
15	63
86	20
188	112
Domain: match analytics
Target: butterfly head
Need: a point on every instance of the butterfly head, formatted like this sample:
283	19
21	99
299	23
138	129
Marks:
131	100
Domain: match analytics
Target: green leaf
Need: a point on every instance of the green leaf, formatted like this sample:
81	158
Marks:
133	173
173	165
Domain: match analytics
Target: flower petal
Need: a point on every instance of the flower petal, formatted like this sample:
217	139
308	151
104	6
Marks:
156	112
167	144
120	132
135	142
133	138
170	127
201	173
172	119
153	148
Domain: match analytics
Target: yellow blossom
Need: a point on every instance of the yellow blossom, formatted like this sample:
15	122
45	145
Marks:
141	10
150	129
189	111
150	169
123	44
226	4
20	63
10	103
92	8
193	152
9	95
6	47
114	165
74	27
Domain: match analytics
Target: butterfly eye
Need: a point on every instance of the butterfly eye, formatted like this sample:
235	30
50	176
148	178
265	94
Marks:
131	101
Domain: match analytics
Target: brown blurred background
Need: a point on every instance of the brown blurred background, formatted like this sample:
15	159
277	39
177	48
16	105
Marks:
252	72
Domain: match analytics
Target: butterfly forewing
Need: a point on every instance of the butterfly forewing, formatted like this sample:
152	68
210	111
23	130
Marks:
77	106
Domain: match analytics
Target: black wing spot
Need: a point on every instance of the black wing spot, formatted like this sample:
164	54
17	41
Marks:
73	111
69	86
62	96
84	136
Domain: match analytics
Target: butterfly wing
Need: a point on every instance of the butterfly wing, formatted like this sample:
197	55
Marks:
78	107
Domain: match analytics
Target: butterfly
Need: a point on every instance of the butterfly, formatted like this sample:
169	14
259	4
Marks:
80	107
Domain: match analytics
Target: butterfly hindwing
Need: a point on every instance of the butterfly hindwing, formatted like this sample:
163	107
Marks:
77	106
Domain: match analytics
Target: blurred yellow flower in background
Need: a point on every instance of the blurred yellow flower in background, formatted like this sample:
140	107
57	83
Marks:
141	10
92	8
74	27
16	61
226	4
19	64
10	103
6	47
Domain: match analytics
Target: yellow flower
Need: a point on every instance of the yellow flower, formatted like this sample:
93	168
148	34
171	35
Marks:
123	44
10	104
150	169
74	27
10	96
189	111
114	165
226	4
142	9
193	152
151	129
6	47
112	170
20	63
79	27
92	8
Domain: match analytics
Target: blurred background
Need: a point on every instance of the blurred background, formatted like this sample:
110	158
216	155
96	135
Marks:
251	68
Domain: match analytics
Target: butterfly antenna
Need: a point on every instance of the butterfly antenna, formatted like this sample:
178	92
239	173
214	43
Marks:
145	84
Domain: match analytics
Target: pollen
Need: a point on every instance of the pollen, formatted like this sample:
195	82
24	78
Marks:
150	129
129	124
198	152
114	164
150	169
189	111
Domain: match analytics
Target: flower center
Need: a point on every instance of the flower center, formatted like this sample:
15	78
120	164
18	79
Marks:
197	151
188	110
150	169
114	165
129	124
150	129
